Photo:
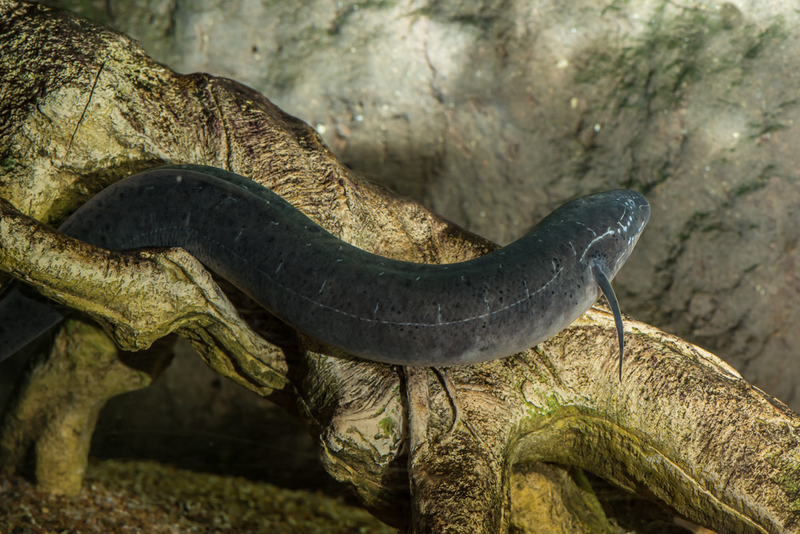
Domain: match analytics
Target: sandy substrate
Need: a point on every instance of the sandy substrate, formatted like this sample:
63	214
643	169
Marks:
147	497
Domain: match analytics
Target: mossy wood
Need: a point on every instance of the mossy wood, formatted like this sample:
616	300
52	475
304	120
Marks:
82	107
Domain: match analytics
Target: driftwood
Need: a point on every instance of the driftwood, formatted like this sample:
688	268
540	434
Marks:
82	107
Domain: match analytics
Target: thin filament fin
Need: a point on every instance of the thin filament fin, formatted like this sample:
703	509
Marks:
608	291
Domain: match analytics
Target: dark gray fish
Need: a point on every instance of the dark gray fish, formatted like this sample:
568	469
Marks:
380	309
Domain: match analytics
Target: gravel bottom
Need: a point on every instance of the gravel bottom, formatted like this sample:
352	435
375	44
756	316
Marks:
147	497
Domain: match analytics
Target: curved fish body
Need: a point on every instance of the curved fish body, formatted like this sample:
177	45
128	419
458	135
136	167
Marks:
380	309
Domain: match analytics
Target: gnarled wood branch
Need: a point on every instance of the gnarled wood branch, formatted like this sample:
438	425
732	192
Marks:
83	107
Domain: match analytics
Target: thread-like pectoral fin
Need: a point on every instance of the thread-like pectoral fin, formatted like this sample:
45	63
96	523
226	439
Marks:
608	291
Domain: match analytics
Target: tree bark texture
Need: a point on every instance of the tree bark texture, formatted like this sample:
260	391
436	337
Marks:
451	451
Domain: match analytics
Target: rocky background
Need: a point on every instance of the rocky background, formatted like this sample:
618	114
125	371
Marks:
494	112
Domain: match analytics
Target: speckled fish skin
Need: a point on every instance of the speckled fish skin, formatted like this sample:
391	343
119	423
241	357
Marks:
379	309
